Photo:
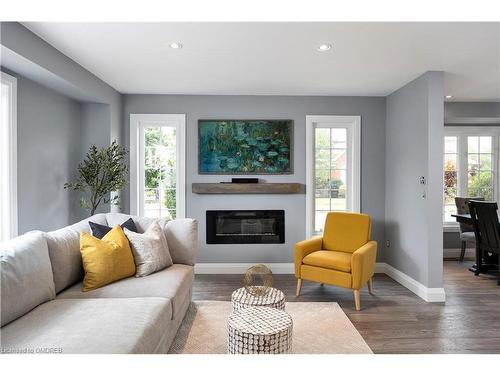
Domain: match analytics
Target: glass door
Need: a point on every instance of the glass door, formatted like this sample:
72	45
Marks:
158	149
159	171
333	168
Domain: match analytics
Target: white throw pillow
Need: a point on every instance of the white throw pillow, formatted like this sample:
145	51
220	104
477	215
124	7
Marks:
150	250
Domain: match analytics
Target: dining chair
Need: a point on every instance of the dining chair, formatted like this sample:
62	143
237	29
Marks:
487	229
466	230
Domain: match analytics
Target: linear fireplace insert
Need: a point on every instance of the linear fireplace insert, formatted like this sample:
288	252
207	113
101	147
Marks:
245	226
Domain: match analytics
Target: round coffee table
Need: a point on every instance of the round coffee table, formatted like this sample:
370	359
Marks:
259	330
242	299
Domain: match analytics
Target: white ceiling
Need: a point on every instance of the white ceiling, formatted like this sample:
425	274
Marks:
281	58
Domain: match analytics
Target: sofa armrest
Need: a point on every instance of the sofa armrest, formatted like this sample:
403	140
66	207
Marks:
182	239
363	264
304	248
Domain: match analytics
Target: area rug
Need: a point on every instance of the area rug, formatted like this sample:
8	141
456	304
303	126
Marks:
318	328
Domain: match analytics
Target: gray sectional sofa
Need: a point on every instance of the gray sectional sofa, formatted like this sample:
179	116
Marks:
43	308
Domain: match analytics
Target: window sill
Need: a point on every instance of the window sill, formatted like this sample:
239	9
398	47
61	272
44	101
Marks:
451	228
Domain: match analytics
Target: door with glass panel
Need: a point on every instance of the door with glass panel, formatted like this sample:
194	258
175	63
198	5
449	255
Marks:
333	167
157	175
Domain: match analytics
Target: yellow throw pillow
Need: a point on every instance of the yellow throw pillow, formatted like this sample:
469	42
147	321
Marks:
106	260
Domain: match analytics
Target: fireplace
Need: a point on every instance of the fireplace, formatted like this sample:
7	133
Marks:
245	226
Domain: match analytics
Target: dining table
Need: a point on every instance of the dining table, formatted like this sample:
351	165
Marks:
463	218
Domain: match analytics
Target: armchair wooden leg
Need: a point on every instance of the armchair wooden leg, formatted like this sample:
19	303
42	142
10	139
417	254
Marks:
299	285
357	299
370	286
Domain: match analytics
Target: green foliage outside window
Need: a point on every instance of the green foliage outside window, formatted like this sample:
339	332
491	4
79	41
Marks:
160	174
450	183
480	184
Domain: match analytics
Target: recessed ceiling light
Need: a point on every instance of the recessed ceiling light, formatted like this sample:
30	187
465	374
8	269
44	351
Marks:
449	96
175	45
324	47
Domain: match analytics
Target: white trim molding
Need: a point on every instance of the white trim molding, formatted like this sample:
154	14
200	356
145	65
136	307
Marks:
137	123
353	126
9	161
427	294
451	228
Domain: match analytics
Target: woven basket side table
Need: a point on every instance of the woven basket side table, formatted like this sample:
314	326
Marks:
259	330
241	299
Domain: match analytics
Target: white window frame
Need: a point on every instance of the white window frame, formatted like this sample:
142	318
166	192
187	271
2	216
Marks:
353	173
137	124
462	132
11	155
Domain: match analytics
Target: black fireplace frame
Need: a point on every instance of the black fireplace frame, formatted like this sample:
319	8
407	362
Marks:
212	238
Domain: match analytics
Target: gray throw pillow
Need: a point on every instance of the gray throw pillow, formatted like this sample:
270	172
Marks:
150	249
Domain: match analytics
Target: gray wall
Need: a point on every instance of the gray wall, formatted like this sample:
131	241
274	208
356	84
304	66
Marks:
471	109
372	111
414	131
48	141
36	59
100	116
435	113
95	116
95	119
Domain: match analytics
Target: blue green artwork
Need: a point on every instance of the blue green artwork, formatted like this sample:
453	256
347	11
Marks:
245	146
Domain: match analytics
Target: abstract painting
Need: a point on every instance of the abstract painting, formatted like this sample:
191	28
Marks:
245	146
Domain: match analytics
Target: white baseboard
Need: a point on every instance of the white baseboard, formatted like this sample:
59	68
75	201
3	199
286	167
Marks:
427	294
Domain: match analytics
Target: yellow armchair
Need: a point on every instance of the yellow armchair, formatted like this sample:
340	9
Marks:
344	256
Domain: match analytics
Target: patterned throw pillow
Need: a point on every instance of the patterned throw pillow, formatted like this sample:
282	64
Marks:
150	249
99	230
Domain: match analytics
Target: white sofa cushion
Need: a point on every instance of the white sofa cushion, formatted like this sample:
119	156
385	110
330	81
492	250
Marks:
103	325
182	239
26	275
64	251
174	282
150	250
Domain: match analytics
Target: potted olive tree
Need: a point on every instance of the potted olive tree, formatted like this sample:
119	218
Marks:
101	172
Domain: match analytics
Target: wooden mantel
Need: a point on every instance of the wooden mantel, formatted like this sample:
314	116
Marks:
260	188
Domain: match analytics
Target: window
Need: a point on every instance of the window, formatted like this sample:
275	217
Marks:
470	166
450	176
333	167
8	157
480	167
157	166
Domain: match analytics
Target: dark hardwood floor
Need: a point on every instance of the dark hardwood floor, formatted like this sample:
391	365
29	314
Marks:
395	320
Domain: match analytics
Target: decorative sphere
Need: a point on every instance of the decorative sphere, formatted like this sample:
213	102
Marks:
258	280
